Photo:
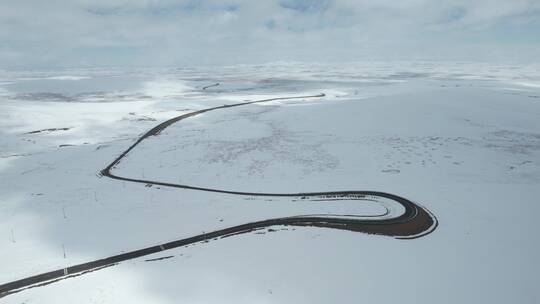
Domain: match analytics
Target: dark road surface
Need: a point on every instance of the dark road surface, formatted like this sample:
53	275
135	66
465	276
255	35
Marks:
414	222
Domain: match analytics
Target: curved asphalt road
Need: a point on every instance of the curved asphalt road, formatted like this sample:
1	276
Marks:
414	222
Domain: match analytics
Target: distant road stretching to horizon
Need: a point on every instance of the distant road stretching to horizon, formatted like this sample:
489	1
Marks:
415	221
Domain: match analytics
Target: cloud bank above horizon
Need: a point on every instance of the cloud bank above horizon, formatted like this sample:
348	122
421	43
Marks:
80	33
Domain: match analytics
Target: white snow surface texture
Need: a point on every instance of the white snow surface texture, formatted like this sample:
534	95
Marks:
462	140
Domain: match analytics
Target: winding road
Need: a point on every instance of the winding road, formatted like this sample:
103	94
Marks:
413	222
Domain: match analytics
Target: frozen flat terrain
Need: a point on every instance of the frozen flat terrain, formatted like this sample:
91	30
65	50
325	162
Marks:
461	140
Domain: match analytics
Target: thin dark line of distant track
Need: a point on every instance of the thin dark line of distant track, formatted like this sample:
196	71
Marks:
414	222
210	86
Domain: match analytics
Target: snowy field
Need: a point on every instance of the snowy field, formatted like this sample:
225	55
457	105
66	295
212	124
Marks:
462	140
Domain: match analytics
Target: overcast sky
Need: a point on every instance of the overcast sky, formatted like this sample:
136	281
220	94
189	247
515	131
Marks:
72	33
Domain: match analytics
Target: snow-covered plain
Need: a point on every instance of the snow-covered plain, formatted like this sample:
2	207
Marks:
463	140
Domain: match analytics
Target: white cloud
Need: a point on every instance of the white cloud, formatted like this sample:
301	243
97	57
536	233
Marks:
153	32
